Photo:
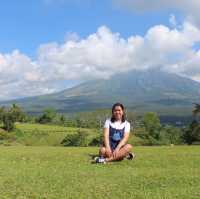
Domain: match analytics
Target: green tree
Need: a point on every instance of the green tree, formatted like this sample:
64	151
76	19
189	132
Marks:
11	115
47	116
62	119
152	125
8	120
17	113
2	110
172	135
196	110
192	133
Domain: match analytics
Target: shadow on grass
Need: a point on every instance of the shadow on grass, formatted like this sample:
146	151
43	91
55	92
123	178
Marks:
92	155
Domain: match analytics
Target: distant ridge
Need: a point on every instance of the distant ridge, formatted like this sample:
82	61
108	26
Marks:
150	90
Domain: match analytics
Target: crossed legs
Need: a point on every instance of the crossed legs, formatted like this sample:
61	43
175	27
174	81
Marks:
120	155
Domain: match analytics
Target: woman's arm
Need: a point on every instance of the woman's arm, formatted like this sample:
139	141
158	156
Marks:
107	141
106	137
123	141
125	137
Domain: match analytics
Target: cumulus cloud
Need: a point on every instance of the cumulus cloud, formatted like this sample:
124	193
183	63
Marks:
99	55
20	76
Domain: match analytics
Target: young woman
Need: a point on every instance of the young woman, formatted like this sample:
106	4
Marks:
116	134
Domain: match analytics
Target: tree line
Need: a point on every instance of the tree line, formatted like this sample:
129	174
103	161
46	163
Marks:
147	129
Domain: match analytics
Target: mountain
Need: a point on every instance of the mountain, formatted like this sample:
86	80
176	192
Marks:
150	90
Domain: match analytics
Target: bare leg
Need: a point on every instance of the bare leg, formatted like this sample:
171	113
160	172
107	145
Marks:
121	154
103	152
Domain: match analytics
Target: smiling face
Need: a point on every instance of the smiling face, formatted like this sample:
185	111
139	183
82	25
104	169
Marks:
118	113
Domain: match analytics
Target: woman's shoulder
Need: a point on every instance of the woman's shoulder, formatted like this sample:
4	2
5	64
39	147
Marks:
127	123
107	123
108	120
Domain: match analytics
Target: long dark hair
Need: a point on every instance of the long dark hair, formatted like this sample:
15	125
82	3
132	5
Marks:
123	109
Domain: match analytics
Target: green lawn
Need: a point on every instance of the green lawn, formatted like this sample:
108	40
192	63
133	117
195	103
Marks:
59	172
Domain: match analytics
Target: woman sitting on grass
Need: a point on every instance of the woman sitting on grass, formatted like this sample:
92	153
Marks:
116	133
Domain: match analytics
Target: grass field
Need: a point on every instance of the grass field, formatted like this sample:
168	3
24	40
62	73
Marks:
59	172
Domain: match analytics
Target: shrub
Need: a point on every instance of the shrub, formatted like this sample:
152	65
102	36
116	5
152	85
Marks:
8	121
137	141
6	137
97	141
78	139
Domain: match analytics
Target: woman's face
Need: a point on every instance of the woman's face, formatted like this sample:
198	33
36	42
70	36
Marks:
118	113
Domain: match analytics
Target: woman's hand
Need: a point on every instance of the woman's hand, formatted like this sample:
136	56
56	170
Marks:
109	151
115	152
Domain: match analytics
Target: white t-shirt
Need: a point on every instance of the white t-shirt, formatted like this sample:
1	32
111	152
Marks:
118	125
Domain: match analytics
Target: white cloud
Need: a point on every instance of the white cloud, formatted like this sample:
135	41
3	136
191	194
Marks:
100	55
19	76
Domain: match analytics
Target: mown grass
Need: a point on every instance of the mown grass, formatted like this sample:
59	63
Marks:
59	172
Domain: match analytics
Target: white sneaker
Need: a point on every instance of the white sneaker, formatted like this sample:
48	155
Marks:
100	160
130	156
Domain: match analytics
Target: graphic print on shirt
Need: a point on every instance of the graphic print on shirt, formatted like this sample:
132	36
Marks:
115	136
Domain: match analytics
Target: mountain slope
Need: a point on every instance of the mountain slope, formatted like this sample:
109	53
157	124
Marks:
151	89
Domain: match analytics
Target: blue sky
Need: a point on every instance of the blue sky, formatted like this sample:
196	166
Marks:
27	24
50	45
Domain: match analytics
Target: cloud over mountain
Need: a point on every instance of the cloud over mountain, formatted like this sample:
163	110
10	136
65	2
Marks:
100	55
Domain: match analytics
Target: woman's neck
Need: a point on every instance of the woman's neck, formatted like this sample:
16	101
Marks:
119	120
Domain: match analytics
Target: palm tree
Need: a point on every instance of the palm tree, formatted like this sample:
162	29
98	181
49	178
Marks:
196	110
195	130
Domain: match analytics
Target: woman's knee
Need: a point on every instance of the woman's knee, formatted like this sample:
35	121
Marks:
102	150
128	147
